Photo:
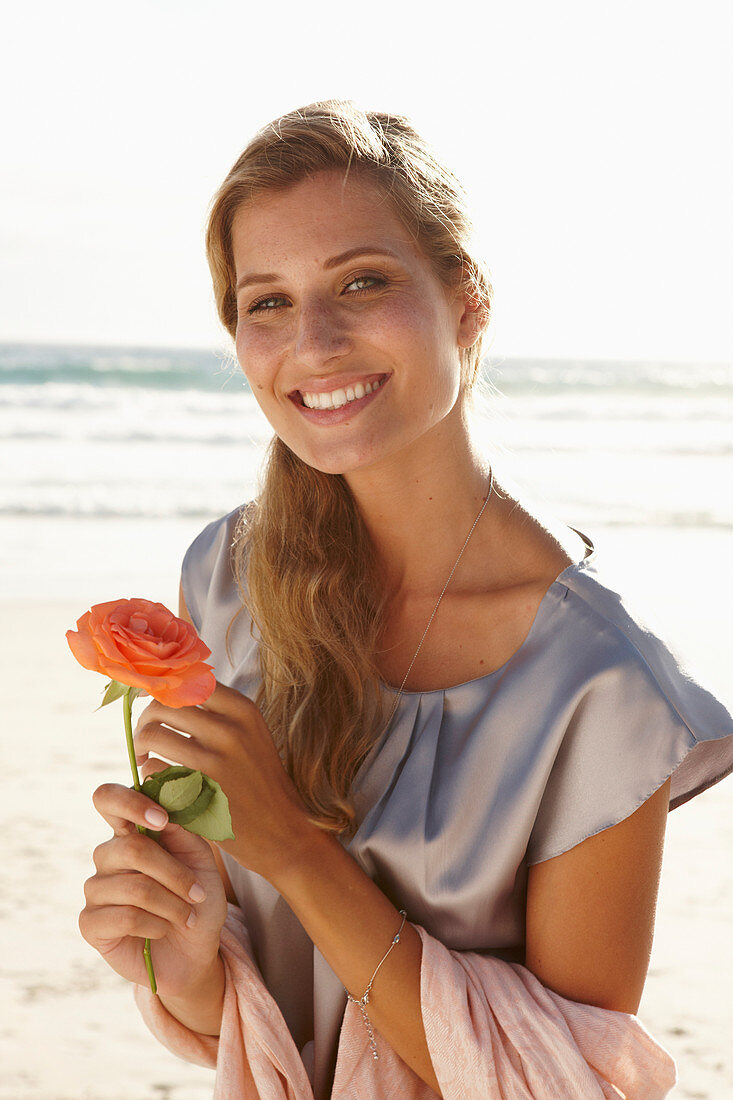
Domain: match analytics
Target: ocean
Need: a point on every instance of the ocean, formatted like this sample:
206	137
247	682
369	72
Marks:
113	458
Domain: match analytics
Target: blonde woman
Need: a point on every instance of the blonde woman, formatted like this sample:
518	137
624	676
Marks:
449	750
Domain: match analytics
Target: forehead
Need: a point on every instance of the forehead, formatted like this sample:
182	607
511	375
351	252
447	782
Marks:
316	218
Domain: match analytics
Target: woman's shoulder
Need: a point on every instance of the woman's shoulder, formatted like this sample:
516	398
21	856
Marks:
605	621
605	633
208	565
218	534
578	624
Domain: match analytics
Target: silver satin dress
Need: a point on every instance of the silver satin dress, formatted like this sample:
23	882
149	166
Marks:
473	783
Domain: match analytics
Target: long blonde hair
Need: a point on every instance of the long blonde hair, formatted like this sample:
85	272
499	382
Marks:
302	557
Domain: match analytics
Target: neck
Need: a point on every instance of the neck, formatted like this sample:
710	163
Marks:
418	506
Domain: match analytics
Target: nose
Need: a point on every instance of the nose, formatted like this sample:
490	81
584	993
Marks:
321	334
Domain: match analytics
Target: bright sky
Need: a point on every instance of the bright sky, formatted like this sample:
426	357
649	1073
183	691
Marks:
595	139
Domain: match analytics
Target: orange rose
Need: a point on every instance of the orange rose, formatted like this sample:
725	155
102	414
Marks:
144	645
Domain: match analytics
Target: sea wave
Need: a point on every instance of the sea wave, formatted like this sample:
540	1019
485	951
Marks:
704	444
602	517
131	368
642	377
211	370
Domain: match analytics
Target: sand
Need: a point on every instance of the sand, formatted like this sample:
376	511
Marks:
70	1030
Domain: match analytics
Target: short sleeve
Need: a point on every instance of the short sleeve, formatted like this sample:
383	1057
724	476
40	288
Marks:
639	720
621	743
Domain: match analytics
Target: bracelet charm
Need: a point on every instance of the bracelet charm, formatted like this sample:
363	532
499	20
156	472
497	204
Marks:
362	1002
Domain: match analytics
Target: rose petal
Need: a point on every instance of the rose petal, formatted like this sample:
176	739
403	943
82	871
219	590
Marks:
101	611
196	688
127	609
82	645
159	620
144	648
138	624
106	642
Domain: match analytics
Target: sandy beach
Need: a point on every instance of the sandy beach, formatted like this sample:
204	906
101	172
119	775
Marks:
70	1030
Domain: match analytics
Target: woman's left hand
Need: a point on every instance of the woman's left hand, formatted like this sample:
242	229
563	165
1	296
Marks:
227	738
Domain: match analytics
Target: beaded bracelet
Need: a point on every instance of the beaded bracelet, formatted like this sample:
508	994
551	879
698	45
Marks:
362	1003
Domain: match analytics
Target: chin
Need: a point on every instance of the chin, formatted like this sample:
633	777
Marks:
332	461
338	466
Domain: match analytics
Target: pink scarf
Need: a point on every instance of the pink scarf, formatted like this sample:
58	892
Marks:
494	1032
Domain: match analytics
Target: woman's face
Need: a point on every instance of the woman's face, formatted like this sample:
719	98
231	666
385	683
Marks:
349	341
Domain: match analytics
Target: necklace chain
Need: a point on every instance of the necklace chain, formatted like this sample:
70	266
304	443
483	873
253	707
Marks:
440	597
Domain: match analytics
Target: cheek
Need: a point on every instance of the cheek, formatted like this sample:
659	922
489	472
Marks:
404	318
399	335
416	320
257	358
418	334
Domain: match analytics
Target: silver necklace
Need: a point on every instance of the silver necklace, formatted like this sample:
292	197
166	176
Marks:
440	597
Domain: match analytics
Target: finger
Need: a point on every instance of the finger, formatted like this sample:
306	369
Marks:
178	718
227	701
123	809
137	853
195	721
152	765
113	923
141	892
224	701
177	746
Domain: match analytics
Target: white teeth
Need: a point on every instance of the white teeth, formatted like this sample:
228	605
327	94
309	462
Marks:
338	398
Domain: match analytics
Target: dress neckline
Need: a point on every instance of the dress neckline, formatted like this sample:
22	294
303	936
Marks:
390	689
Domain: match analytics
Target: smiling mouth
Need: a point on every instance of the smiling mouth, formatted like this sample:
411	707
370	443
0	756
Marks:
337	399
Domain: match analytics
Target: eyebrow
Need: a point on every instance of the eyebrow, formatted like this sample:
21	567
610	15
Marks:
335	261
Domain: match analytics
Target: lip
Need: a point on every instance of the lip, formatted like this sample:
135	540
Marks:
347	411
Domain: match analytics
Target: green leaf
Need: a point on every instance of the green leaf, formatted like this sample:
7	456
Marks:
197	807
177	794
152	785
215	823
114	690
211	818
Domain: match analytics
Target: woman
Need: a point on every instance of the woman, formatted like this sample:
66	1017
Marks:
432	718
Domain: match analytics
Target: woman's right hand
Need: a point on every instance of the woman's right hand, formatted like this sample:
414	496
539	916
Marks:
142	889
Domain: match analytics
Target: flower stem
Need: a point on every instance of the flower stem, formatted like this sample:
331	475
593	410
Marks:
127	713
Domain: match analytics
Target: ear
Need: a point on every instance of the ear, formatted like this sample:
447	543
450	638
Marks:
473	318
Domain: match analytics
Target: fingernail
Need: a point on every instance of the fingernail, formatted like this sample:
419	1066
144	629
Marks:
197	892
192	918
156	818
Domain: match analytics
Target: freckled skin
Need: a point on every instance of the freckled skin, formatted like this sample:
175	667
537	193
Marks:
409	328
